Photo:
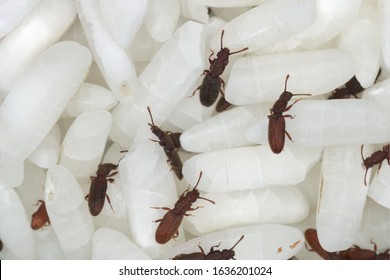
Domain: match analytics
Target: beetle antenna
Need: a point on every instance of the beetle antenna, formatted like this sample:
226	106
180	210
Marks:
150	114
244	49
365	177
239	240
361	152
285	82
223	32
197	183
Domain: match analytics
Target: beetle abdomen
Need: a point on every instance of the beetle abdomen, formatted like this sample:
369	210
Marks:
168	227
209	90
276	134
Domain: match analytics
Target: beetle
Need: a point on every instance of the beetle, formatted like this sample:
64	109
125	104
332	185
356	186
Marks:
98	190
225	254
351	88
277	123
212	83
352	253
375	158
170	143
170	222
40	217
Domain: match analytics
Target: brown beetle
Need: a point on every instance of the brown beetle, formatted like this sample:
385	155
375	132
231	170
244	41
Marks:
376	158
40	218
351	88
353	253
98	190
170	222
170	143
277	123
212	83
225	254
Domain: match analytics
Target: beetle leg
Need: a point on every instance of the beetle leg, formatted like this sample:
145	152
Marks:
198	88
288	135
86	197
288	116
215	246
163	208
289	107
212	53
192	209
157	221
40	200
379	167
375	246
110	180
201	249
176	234
109	201
154	140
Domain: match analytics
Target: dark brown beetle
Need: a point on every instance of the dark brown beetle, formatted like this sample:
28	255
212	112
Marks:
376	158
351	88
225	254
170	143
212	83
353	253
277	123
40	217
169	224
98	190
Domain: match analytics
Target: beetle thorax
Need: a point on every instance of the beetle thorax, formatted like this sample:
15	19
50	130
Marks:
183	204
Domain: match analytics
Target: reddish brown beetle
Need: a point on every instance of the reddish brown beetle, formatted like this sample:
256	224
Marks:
170	143
277	123
169	224
98	190
376	158
40	217
353	253
212	83
225	254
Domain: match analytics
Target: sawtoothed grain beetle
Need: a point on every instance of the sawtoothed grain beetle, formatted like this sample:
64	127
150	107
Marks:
212	83
225	254
170	222
277	123
40	217
98	190
170	143
375	158
353	253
